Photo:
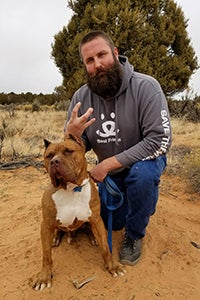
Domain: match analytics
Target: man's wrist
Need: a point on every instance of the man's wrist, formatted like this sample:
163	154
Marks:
111	163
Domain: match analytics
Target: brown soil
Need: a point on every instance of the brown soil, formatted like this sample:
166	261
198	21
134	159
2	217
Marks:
169	267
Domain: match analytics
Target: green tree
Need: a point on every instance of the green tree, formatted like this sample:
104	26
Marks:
151	33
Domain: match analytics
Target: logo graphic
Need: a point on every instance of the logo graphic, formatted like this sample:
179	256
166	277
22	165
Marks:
108	127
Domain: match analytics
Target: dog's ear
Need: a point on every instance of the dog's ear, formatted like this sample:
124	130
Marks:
46	143
77	140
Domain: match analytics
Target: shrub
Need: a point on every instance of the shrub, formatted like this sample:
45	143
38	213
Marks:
36	105
175	159
191	170
185	108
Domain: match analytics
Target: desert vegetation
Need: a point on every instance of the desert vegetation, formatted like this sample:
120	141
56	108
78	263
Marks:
22	131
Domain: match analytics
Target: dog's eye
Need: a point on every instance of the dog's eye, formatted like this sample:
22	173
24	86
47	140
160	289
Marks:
68	151
50	155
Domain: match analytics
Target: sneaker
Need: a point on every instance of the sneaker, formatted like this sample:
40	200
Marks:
130	250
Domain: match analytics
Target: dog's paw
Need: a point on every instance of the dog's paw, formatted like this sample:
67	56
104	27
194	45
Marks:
93	241
58	235
117	271
41	281
56	242
70	236
40	286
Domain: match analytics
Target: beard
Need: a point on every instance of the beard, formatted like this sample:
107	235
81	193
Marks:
106	81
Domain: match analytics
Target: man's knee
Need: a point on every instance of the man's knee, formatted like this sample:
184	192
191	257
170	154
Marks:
143	173
148	171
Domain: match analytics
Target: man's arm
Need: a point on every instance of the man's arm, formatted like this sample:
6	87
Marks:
100	171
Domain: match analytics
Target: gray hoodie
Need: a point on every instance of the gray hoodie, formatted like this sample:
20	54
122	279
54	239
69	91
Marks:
134	125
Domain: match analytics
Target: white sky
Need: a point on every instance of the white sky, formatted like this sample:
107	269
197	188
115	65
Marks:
27	28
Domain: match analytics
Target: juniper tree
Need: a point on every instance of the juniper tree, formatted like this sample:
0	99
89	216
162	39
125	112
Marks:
151	33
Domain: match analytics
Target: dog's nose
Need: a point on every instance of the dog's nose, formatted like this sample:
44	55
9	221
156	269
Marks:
55	161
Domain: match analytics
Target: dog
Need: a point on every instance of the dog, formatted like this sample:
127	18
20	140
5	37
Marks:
70	201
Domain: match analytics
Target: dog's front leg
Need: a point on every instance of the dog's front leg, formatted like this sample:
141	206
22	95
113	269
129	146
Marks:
99	232
44	277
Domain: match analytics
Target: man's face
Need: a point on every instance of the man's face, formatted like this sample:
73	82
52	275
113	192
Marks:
97	54
102	67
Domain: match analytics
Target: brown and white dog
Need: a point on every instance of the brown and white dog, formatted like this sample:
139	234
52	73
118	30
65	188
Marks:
64	208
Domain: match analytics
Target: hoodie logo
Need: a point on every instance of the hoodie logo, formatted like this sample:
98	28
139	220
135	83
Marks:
108	131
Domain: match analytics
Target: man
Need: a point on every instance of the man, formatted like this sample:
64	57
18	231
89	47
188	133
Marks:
123	116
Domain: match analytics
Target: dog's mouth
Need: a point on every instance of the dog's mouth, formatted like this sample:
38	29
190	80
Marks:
58	181
57	178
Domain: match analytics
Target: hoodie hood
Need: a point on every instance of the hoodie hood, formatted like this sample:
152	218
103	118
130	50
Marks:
127	72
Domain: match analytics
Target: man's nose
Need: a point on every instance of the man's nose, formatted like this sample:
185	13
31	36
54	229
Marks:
97	63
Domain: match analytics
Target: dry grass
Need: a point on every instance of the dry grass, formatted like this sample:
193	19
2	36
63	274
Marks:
191	170
184	156
22	134
185	133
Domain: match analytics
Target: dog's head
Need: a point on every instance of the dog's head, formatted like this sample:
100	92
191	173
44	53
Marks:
65	161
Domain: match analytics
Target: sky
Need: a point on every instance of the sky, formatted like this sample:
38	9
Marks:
27	29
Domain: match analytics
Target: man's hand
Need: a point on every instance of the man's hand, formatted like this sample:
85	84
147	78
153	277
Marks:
76	125
100	171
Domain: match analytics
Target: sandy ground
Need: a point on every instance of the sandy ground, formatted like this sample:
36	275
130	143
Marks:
169	267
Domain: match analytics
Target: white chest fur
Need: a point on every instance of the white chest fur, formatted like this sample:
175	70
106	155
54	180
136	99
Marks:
71	204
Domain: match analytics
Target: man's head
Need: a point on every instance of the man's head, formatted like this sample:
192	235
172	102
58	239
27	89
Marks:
97	34
100	58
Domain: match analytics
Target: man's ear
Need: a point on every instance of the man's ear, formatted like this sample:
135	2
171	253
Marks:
46	143
116	53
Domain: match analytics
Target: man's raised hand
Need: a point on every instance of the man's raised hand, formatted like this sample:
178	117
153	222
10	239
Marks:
76	125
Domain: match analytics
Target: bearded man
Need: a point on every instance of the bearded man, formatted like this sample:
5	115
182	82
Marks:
123	116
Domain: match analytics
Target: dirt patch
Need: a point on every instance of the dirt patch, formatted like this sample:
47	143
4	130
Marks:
169	267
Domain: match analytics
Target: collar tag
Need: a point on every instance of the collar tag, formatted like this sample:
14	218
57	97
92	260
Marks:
77	189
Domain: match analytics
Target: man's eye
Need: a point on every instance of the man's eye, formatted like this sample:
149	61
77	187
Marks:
89	61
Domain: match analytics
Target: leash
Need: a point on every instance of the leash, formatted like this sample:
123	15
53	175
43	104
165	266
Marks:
114	191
